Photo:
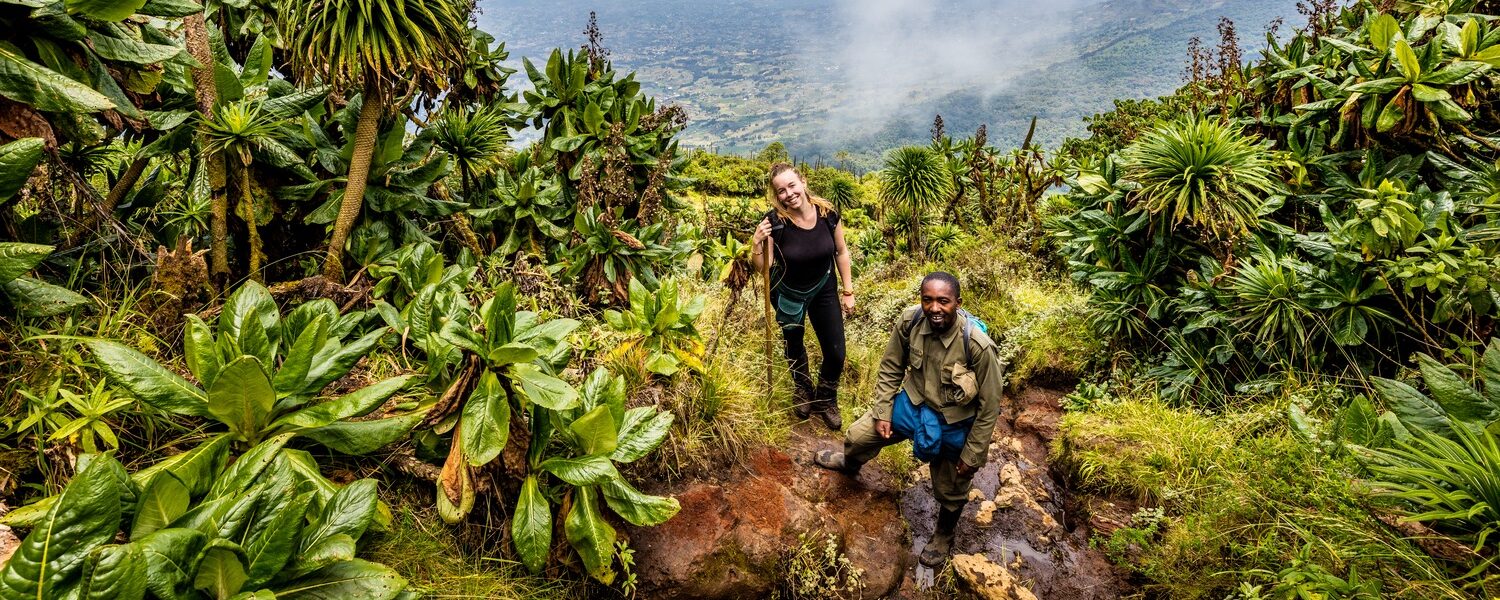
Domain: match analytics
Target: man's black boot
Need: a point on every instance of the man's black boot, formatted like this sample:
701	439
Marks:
937	550
836	461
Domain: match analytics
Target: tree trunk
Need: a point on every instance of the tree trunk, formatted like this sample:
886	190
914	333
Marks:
206	93
127	180
914	237
359	171
247	212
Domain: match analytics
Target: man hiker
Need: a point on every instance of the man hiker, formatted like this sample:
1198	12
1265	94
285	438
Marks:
939	385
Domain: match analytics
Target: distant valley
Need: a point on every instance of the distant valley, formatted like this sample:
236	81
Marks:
864	76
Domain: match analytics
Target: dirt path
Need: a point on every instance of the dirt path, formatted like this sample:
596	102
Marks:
1016	518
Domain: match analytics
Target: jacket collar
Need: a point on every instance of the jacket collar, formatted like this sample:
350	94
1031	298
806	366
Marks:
948	336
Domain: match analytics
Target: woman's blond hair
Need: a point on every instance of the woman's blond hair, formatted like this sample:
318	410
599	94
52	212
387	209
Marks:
823	206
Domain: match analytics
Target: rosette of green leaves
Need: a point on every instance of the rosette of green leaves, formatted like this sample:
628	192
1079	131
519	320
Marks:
195	526
662	324
595	434
260	373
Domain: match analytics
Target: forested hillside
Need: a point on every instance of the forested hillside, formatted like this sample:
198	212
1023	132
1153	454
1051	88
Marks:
321	299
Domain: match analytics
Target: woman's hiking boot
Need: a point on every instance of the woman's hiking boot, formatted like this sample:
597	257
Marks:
940	547
825	404
802	401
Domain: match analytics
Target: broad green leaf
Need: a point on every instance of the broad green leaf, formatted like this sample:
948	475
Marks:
328	366
1413	408
85	516
221	572
170	8
343	580
257	63
1461	401
349	512
364	437
114	573
249	306
593	538
543	389
304	469
639	509
499	315
17	258
36	298
585	470
18	160
1457	73
531	526
131	51
1383	31
1406	61
664	364
1390	116
172	560
44	89
595	431
486	421
200	351
242	398
272	540
1425	93
643	430
514	352
161	502
197	468
1489	371
292	376
332	549
593	117
105	10
147	380
354	404
1357	422
244	470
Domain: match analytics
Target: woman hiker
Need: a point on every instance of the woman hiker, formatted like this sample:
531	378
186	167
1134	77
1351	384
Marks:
806	248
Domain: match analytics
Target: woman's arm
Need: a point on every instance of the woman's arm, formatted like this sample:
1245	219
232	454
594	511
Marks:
760	245
846	272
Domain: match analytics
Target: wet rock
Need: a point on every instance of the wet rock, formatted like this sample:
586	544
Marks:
731	533
976	494
989	580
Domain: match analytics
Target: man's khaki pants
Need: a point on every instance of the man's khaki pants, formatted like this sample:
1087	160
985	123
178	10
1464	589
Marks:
862	444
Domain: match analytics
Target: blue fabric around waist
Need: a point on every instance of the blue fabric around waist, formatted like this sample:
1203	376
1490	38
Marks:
930	436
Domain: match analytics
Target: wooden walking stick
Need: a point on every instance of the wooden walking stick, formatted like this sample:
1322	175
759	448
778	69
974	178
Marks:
765	275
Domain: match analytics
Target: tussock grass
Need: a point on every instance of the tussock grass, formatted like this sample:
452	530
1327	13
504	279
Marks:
429	554
1244	500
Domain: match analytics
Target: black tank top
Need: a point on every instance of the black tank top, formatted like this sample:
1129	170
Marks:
807	254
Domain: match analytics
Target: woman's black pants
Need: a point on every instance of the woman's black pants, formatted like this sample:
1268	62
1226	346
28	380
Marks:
827	320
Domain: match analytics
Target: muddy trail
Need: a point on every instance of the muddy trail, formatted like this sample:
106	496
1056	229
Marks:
1016	539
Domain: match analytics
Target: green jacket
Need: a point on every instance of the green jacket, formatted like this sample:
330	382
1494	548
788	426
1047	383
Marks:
929	378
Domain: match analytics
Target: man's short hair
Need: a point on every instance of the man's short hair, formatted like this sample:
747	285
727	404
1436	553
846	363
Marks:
944	277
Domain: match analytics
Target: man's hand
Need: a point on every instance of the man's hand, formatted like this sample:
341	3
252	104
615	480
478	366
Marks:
883	428
963	468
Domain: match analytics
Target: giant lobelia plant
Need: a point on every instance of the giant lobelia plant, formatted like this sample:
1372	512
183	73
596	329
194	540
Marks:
196	526
260	373
566	443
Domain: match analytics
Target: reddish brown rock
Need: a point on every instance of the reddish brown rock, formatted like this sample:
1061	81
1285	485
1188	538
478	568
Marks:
728	538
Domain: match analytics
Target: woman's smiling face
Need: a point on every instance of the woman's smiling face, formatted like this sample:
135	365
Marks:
789	189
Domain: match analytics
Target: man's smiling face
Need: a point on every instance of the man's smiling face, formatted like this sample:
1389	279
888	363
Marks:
940	304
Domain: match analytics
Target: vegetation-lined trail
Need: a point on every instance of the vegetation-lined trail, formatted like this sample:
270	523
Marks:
375	327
